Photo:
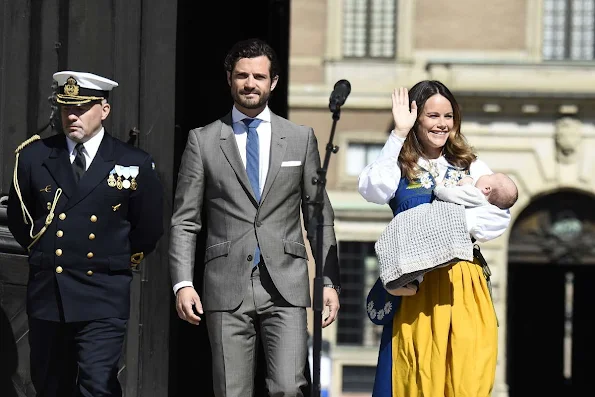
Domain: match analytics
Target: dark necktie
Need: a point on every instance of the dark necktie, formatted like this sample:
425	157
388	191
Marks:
79	163
253	165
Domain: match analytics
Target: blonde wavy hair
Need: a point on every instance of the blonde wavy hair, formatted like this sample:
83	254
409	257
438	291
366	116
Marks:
456	150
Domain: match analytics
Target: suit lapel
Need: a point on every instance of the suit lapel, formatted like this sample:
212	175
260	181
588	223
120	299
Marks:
278	146
102	164
232	154
58	164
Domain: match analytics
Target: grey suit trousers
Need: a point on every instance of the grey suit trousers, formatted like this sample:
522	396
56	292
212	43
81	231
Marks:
233	335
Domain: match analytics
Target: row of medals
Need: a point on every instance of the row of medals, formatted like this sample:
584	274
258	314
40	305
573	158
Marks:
121	184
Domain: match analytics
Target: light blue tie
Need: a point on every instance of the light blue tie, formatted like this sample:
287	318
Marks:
253	165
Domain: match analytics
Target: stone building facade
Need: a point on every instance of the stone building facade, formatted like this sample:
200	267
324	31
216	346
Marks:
523	72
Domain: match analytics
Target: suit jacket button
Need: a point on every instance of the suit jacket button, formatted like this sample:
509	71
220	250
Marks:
62	216
59	233
249	258
91	236
258	223
93	218
90	255
58	252
59	269
90	273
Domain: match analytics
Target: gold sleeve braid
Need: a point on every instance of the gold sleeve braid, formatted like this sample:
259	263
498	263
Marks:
26	215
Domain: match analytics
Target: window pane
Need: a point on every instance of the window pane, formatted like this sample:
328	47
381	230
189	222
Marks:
569	30
369	28
358	379
359	271
554	25
356	159
359	155
583	21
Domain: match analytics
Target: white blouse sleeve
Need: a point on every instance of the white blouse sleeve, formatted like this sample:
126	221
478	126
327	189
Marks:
378	182
485	222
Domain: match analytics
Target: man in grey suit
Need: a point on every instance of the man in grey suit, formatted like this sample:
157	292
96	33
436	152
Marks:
244	179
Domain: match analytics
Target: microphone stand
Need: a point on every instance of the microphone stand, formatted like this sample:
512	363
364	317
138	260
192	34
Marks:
318	304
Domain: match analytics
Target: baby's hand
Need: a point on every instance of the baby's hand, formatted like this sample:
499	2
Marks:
467	180
407	290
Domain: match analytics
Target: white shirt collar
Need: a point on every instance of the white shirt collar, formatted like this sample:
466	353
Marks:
91	146
425	163
237	116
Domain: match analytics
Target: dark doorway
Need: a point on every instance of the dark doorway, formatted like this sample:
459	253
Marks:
202	96
550	332
203	39
551	279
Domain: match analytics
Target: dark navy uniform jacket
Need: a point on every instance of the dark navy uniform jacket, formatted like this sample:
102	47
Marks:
80	268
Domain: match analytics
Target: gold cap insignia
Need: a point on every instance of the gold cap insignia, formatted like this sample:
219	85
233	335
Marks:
71	87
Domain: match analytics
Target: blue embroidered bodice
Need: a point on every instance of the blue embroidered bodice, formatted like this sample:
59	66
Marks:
380	305
411	194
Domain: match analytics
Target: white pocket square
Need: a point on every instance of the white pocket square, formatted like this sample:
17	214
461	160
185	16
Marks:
295	163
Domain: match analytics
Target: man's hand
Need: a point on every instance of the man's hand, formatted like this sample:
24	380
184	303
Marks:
330	299
186	300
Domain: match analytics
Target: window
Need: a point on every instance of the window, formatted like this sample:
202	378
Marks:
358	379
569	30
369	28
359	272
359	155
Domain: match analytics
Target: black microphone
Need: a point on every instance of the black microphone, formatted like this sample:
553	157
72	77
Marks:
339	95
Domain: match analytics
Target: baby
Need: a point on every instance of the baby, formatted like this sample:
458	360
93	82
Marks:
495	189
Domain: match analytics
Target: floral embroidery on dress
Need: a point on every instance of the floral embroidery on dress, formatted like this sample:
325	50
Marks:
372	313
426	180
453	176
388	306
380	313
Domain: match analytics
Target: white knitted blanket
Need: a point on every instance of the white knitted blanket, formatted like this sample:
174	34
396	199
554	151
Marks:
421	239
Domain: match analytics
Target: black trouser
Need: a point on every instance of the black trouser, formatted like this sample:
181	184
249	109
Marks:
76	359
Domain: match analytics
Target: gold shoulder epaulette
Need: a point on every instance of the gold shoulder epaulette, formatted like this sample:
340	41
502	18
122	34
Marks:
28	141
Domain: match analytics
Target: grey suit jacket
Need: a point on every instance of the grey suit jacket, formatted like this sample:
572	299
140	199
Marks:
212	178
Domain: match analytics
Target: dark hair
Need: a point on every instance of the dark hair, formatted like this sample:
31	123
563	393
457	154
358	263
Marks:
251	48
456	150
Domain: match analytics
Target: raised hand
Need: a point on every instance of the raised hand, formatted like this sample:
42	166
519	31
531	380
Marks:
404	118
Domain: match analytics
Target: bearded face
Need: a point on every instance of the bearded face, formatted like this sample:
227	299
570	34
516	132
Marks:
251	84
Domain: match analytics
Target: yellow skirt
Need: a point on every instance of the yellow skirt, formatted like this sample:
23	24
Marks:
445	337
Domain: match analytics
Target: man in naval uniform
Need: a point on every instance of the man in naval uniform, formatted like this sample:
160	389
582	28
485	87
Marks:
87	207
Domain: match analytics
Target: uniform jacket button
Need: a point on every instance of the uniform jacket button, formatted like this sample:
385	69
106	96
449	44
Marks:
62	216
249	258
59	269
93	218
258	223
59	233
89	273
58	252
91	236
90	255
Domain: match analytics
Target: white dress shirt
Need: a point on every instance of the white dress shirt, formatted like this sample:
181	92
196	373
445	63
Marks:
90	148
378	183
264	139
